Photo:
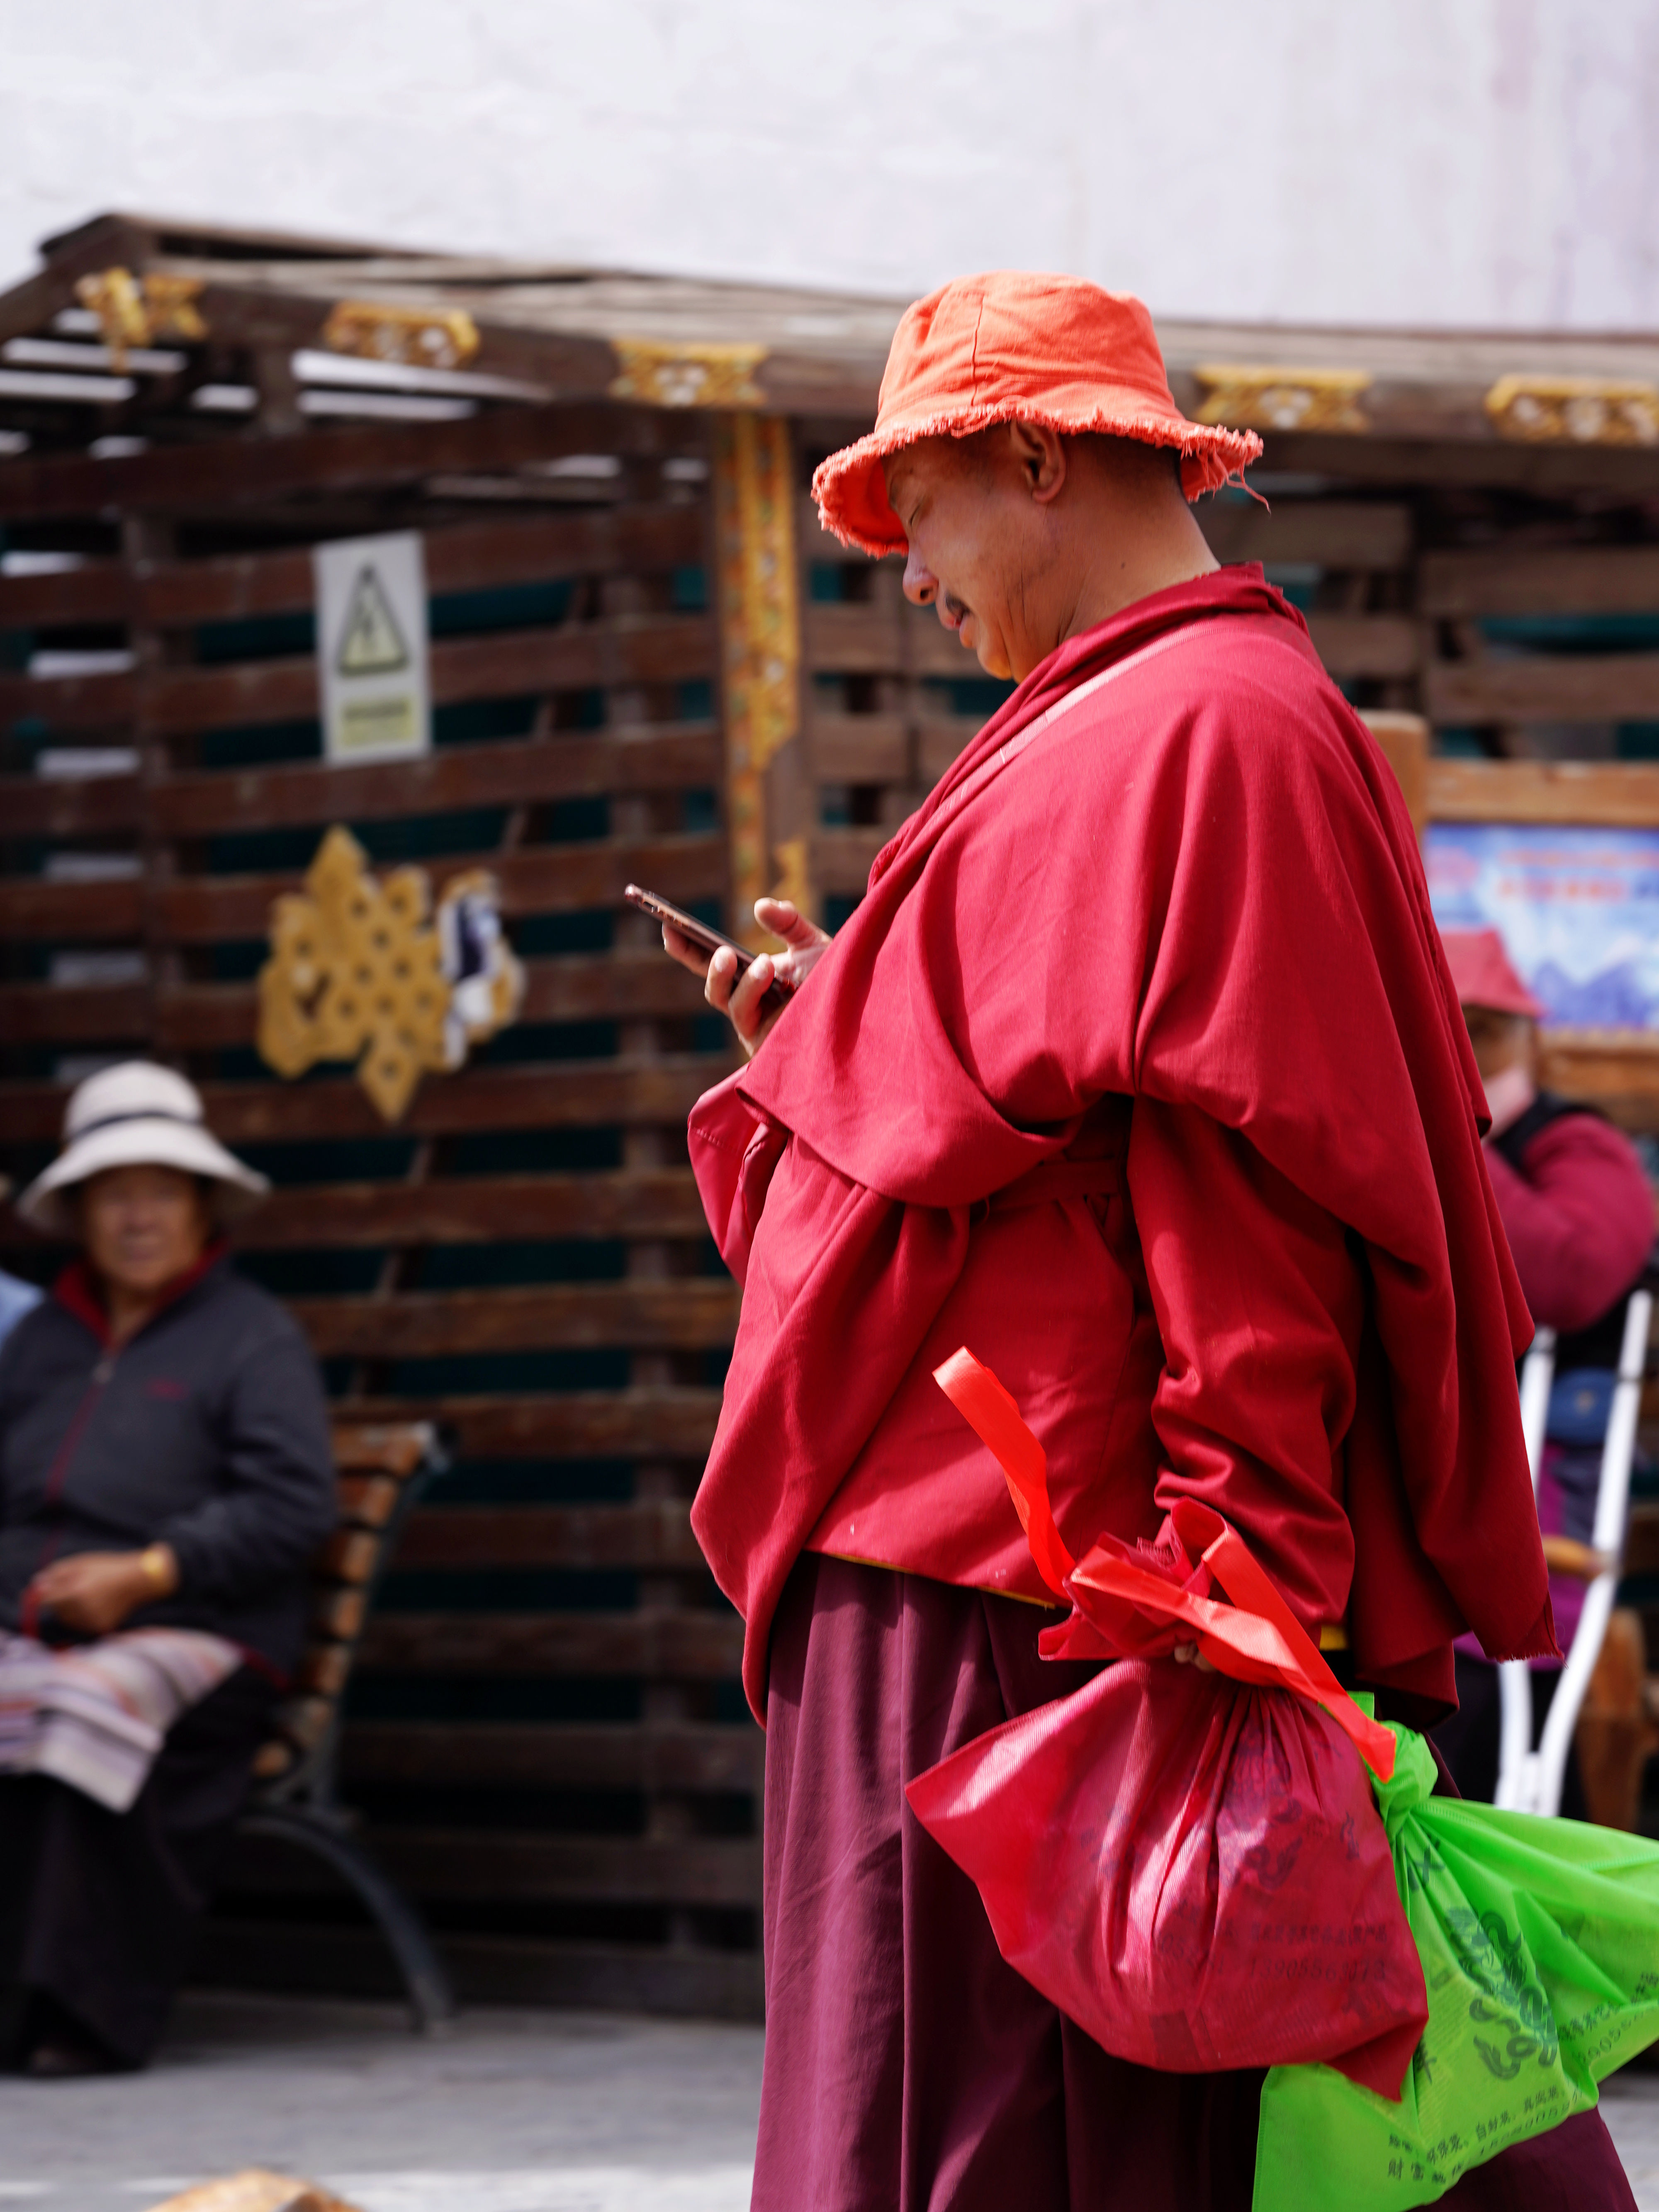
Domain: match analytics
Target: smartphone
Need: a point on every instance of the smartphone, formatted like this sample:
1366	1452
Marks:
711	940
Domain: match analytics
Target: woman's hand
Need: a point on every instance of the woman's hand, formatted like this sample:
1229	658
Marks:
739	996
95	1591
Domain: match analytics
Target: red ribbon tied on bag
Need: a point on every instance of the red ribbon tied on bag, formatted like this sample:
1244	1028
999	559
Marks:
1125	1608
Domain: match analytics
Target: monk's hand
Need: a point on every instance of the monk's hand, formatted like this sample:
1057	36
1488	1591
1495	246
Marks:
95	1591
1188	1655
738	994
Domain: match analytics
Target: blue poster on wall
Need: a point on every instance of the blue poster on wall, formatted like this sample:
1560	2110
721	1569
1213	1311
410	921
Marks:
1577	909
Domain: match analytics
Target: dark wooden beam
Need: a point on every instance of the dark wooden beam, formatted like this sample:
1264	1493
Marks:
618	1203
1527	580
208	1016
684	1646
648	1532
1366	645
1614	794
459	557
200	909
545	1755
686	1980
1548	471
667	756
657	1422
841	858
1544	688
1330	533
683	1314
491	1863
517	771
1619	1075
228	471
572	1094
576	656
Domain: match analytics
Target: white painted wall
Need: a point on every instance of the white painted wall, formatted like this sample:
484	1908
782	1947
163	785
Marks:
1454	161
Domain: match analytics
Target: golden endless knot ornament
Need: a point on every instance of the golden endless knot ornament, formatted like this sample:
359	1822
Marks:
367	971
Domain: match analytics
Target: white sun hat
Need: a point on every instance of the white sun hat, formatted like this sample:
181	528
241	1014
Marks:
136	1114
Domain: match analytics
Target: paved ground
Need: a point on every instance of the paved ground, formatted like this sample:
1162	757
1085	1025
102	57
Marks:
1630	2105
514	2111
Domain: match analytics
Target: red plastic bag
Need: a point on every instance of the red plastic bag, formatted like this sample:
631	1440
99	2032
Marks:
1190	1865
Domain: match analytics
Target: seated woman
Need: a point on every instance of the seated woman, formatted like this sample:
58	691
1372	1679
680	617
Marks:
165	1465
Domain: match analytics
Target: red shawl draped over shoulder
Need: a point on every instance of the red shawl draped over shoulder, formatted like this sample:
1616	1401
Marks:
1175	867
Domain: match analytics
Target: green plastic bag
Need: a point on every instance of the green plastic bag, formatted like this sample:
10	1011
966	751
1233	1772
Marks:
1539	1942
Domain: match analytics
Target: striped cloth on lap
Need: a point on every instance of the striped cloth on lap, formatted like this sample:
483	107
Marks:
95	1716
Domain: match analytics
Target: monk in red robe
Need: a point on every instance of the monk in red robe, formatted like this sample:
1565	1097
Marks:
1137	1071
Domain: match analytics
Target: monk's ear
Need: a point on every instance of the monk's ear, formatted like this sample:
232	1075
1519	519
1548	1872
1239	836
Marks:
1041	455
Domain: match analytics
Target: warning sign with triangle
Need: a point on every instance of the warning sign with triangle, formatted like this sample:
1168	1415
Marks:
374	680
371	643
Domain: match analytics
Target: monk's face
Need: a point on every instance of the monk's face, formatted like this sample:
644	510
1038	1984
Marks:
978	515
1021	538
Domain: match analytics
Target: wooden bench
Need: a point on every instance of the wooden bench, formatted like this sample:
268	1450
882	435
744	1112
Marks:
382	1469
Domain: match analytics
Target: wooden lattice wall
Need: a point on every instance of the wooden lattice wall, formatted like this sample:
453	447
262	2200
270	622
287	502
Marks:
547	1737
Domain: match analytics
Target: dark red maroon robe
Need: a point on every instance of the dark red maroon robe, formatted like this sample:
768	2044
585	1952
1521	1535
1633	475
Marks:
1139	1072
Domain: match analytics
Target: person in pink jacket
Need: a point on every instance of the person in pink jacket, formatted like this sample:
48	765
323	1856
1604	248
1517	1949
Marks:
1575	1201
1578	1212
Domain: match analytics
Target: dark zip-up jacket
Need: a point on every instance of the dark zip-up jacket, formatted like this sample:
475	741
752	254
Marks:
207	1431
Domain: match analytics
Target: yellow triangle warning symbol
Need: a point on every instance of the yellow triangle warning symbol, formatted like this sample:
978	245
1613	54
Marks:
371	644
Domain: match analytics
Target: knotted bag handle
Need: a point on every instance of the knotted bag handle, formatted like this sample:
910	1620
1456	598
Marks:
1256	1638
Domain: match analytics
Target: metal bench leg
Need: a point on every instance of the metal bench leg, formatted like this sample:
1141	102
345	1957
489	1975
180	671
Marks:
431	1999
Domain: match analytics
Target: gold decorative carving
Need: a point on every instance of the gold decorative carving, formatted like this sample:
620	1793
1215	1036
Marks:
1250	398
414	337
760	645
170	302
364	970
136	311
1583	410
794	882
676	375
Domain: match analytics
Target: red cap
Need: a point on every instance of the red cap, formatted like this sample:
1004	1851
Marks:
1008	346
1481	971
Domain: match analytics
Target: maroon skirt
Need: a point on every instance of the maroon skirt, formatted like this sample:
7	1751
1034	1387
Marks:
909	2068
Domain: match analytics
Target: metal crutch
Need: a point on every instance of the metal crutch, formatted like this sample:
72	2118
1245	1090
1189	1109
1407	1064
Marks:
1515	1749
1542	1773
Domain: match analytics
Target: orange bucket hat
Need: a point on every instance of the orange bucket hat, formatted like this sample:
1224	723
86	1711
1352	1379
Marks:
1049	349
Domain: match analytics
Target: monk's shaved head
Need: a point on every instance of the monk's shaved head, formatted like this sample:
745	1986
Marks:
1022	536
